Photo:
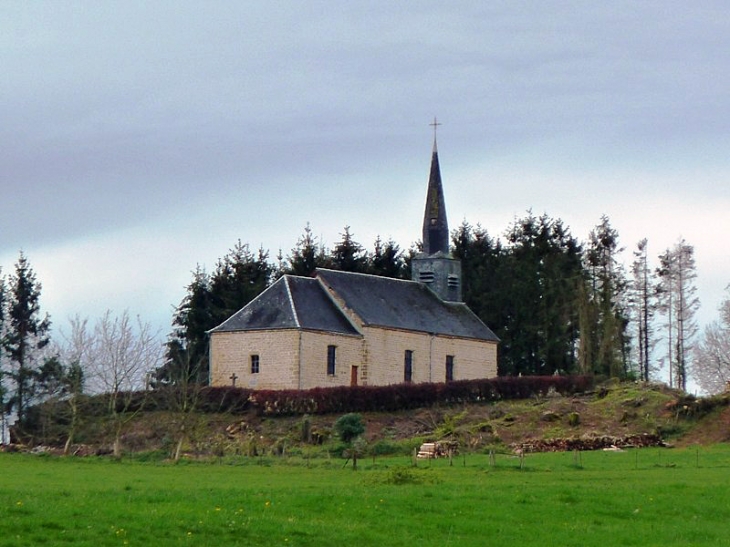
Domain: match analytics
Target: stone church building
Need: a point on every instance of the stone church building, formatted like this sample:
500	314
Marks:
339	328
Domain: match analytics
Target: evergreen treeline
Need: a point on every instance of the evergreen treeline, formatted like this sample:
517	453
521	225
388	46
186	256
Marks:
558	305
241	275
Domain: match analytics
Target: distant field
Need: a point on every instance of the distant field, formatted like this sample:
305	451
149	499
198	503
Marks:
661	497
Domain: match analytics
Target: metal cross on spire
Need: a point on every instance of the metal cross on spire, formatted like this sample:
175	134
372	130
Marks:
435	125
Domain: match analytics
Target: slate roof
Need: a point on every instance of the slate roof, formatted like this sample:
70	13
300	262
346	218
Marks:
290	303
294	302
409	305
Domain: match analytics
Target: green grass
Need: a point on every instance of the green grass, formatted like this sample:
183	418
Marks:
647	497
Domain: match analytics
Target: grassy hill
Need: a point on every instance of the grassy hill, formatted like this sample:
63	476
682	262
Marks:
613	413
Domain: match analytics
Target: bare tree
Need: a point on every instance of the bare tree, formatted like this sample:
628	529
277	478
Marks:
116	358
711	359
679	304
74	352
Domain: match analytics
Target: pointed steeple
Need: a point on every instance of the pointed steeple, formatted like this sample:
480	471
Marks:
435	225
435	267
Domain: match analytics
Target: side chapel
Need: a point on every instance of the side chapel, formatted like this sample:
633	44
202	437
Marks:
340	328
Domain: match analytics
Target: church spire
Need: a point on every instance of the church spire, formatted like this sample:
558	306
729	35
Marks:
435	226
435	267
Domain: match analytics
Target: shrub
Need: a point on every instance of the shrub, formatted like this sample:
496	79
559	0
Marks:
349	427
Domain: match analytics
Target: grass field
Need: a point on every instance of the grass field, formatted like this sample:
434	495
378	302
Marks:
661	497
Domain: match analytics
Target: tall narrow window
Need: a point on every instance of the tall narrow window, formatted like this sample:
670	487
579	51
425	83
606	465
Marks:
254	364
331	359
449	368
408	366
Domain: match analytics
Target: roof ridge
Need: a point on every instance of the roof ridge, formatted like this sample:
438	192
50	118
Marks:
291	303
328	270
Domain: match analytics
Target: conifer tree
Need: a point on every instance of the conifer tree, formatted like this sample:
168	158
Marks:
538	274
606	313
348	254
239	277
386	260
643	306
306	257
27	333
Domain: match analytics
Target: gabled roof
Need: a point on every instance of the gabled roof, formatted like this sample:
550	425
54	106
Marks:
408	305
290	303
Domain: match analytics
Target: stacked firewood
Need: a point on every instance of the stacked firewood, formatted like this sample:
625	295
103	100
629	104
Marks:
588	443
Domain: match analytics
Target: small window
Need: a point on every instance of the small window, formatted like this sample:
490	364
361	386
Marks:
254	364
408	366
331	359
449	368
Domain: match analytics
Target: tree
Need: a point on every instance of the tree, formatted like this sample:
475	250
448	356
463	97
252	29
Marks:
483	273
27	334
643	307
188	341
3	416
348	254
678	303
57	387
538	276
386	260
307	256
118	357
349	428
604	342
239	277
74	351
711	359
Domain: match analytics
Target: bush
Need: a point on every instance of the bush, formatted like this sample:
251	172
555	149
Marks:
349	427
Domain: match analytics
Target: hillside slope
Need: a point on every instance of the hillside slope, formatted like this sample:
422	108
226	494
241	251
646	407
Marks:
617	413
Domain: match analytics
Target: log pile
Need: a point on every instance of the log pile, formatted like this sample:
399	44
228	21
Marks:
440	449
588	443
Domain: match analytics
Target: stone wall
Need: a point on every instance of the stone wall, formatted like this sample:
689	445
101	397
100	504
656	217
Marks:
385	350
297	359
278	351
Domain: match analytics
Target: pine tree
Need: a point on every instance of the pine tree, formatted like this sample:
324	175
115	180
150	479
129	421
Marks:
307	256
348	254
643	306
186	355
606	313
386	260
538	275
239	277
27	333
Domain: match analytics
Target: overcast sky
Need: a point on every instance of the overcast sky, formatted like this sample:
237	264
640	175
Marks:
139	139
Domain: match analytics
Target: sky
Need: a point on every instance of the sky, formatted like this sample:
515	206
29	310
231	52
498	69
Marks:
139	140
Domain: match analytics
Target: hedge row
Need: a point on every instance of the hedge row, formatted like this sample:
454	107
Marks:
236	400
385	398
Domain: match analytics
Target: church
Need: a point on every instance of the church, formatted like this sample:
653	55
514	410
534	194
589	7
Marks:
340	328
